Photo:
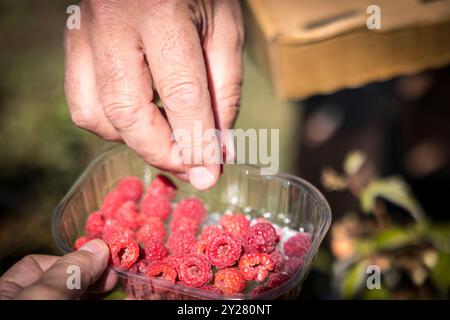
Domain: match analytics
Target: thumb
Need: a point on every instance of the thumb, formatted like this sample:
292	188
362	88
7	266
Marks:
71	275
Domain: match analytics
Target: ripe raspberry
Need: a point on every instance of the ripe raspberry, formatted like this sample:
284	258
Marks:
153	229
229	281
276	279
192	208
259	289
113	229
224	250
297	245
94	225
162	186
181	243
80	242
209	232
155	251
211	289
261	237
130	188
111	202
184	224
158	269
278	260
200	247
174	261
124	251
255	266
152	206
127	215
195	270
292	265
236	224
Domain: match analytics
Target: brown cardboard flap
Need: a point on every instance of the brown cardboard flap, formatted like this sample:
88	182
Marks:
294	22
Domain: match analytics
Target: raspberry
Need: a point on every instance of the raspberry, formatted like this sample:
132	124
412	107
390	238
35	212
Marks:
130	188
111	202
128	216
278	260
261	237
195	270
236	224
94	225
292	265
298	245
276	279
224	250
209	232
113	229
152	206
124	251
184	224
200	247
255	266
158	269
80	242
212	289
162	186
153	229
192	208
229	281
259	289
174	261
155	251
181	243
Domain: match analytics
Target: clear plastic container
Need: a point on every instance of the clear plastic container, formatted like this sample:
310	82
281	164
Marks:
285	200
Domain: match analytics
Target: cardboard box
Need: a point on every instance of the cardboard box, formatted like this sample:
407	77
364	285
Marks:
314	47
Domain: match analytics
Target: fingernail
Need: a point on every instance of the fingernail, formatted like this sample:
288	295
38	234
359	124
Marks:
96	247
200	178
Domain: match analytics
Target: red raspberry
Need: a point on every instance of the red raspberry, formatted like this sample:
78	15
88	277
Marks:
209	232
80	242
211	289
298	245
184	224
200	247
236	224
174	261
224	250
113	229
195	270
130	188
229	281
278	260
158	269
261	237
153	229
276	279
192	208
127	215
111	202
292	265
124	251
155	251
162	186
181	243
94	225
159	207
255	266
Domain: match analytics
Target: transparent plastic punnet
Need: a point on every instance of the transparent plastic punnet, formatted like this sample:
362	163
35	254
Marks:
285	200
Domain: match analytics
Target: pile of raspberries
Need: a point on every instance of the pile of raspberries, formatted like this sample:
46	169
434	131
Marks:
148	235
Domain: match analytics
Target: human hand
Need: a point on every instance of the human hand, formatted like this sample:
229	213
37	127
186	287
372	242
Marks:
45	277
190	51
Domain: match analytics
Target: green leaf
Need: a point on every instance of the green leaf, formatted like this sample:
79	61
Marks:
394	190
440	275
354	280
117	294
376	294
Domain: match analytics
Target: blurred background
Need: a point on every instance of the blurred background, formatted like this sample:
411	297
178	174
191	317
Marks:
379	153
